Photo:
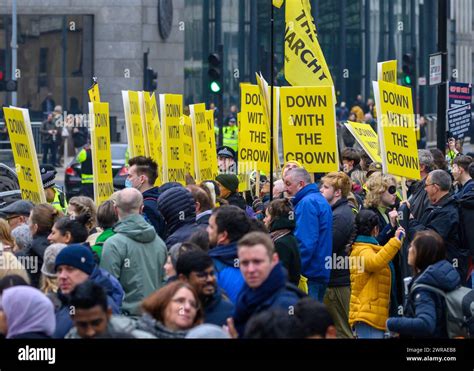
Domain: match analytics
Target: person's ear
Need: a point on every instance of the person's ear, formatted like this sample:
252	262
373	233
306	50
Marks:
275	259
221	237
331	332
109	313
68	237
337	193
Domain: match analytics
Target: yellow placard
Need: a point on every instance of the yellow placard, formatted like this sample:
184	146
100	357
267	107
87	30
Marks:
94	93
17	121
387	71
203	131
153	130
367	138
265	93
243	172
305	64
212	142
396	128
188	146
133	121
101	152
254	135
172	120
308	120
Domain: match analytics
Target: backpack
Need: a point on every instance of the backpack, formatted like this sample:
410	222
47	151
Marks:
459	310
466	216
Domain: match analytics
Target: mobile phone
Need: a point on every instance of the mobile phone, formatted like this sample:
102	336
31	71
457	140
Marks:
402	235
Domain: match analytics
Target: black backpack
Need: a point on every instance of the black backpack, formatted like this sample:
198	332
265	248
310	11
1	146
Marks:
466	222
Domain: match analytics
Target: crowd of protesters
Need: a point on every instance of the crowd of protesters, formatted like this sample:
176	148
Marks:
330	256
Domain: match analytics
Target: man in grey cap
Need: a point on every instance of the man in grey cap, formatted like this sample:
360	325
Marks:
226	160
17	213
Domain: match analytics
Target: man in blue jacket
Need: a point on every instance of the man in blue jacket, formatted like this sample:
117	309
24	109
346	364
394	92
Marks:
142	174
266	283
313	230
75	265
197	269
227	225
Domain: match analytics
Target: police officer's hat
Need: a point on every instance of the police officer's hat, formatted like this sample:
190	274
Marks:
48	174
226	151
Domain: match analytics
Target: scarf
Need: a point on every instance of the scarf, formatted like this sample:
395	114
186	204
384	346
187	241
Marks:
250	299
279	233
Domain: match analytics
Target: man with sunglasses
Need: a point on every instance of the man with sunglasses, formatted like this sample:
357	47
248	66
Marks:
197	269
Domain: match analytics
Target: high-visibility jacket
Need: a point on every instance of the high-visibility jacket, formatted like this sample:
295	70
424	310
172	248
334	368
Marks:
230	136
84	157
59	201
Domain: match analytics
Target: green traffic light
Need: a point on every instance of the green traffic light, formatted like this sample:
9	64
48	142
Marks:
215	87
407	80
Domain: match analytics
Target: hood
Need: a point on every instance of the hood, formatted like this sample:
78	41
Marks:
282	222
225	253
152	192
136	228
441	275
109	283
177	207
310	188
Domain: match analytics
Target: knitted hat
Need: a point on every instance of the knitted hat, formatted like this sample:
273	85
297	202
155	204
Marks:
49	260
207	331
229	181
22	236
77	256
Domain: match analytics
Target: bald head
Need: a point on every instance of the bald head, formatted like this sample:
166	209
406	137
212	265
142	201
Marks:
129	201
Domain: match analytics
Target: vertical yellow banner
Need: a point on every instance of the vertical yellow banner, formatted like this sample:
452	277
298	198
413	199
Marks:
387	71
308	120
396	129
101	152
188	146
172	120
17	121
134	124
254	136
94	93
153	129
212	142
202	146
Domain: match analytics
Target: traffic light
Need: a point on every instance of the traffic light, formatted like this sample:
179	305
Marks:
7	85
215	73
408	69
150	83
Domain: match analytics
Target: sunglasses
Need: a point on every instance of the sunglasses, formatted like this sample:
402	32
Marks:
392	189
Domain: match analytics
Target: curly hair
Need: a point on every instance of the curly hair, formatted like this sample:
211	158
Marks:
376	185
85	206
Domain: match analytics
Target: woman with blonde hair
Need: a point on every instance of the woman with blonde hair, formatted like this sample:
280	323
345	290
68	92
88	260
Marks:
84	206
6	237
381	198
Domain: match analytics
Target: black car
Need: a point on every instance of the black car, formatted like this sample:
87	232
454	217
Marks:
72	176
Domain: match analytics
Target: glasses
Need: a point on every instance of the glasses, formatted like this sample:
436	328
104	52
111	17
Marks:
204	275
430	184
392	190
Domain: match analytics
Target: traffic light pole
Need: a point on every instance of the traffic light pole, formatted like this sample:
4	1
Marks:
443	48
14	46
220	97
272	81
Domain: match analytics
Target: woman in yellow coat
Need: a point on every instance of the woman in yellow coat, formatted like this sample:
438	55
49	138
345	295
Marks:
371	277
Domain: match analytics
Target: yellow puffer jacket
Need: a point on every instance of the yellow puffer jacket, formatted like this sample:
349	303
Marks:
370	286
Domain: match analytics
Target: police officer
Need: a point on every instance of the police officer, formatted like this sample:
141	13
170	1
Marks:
54	195
230	134
226	160
84	157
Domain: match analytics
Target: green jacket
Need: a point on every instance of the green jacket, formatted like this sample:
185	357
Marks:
99	242
135	255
